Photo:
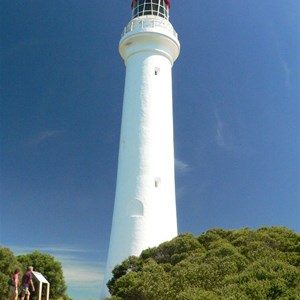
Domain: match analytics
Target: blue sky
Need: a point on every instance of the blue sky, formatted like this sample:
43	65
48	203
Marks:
236	122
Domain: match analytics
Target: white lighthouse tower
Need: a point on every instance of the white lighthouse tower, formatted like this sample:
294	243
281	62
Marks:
145	206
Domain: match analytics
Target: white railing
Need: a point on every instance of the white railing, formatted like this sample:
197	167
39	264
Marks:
149	23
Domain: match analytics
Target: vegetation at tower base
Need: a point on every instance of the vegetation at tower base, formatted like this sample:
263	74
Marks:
50	268
43	263
221	264
8	263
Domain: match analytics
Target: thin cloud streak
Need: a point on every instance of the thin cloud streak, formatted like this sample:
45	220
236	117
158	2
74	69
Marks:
181	169
180	165
82	273
48	249
43	136
225	135
78	272
287	73
285	68
220	132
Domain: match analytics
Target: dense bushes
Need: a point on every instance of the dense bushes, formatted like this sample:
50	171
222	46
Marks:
221	264
44	263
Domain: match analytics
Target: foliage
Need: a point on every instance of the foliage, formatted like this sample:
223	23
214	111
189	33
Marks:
43	263
8	263
50	268
221	264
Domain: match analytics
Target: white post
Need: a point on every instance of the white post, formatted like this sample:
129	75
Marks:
40	290
48	291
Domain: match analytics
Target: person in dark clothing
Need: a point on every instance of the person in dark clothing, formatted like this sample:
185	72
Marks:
26	282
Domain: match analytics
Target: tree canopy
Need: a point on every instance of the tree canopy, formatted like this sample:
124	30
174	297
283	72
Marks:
221	264
8	263
43	263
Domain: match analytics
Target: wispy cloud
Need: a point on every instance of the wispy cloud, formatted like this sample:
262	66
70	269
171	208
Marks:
223	135
287	73
43	136
80	271
180	165
48	249
219	131
280	54
181	169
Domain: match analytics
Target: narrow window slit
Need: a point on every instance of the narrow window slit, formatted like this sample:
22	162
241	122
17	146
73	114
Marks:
157	182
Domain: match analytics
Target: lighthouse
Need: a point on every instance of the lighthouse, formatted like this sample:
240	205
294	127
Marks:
145	204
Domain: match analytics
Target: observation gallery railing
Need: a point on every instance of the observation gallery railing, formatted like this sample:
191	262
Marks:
149	23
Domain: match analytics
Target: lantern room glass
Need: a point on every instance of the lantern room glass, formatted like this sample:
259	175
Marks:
150	7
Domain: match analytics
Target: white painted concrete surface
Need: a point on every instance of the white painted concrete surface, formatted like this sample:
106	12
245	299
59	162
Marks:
145	206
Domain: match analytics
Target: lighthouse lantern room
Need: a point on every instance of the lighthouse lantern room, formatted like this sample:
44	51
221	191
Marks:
158	8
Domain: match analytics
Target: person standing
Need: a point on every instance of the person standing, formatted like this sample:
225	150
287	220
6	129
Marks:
14	287
26	282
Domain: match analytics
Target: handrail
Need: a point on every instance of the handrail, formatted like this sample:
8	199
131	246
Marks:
135	23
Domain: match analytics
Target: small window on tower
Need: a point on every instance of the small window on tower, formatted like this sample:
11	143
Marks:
157	182
156	71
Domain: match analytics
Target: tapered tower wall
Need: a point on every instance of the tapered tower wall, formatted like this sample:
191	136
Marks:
145	206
